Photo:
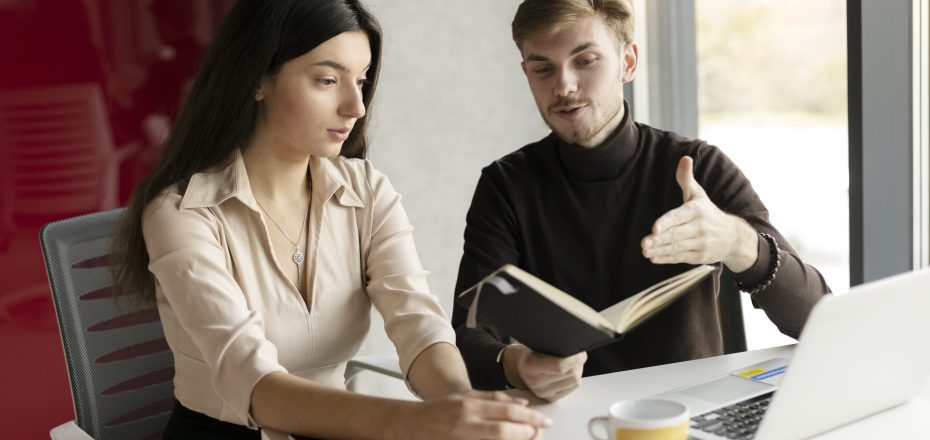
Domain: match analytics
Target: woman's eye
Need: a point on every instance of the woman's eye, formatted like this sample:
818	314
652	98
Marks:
326	81
361	83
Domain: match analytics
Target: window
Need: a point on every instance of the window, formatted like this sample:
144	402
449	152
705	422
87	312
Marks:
772	88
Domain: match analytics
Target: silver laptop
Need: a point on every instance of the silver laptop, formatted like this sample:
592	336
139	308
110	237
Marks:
860	353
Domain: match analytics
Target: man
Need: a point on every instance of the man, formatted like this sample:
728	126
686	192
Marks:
604	207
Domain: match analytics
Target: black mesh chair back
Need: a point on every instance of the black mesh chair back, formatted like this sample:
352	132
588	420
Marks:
119	364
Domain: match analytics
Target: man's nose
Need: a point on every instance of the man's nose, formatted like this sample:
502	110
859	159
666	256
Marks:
566	83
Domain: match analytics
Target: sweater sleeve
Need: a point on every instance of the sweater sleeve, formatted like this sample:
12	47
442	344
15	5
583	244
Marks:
490	241
789	299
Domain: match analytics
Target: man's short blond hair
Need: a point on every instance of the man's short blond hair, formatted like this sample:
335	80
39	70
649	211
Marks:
547	17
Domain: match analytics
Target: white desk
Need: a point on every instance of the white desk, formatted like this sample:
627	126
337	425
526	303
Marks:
571	414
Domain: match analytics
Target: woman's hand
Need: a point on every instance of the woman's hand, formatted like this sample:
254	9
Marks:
471	415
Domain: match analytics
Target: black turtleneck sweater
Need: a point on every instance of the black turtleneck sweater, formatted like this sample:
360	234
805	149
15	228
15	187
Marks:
575	217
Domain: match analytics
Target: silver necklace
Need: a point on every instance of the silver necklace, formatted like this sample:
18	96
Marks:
298	256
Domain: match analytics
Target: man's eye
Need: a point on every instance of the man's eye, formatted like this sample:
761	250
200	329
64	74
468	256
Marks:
586	61
542	70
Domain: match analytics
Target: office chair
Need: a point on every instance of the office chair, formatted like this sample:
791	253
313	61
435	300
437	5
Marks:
119	364
729	306
59	158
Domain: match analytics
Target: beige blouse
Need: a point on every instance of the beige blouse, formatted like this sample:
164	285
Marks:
230	314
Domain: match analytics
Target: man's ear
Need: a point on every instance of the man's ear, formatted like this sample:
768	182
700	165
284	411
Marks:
630	61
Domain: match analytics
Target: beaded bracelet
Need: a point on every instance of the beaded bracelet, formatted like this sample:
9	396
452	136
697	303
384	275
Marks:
774	264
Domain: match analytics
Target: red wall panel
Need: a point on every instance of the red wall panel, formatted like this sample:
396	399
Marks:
88	90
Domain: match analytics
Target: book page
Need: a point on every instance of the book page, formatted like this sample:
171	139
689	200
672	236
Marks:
634	309
614	313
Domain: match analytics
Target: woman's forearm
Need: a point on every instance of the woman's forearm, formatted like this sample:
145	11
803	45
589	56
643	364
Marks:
439	371
288	403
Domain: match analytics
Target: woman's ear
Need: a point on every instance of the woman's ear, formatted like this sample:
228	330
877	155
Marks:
264	87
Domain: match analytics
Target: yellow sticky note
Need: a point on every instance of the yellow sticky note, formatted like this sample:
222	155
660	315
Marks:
751	372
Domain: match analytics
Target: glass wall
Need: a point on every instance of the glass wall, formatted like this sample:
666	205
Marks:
88	89
772	95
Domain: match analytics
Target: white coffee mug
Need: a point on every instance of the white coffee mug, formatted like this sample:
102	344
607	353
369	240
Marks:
643	419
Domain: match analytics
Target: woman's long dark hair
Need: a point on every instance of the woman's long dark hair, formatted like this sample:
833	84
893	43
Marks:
220	113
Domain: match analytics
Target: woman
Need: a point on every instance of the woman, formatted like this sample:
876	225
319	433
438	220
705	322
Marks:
264	240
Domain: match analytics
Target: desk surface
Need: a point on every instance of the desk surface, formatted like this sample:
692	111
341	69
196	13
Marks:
571	414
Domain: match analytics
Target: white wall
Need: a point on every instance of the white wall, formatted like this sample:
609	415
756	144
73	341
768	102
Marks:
451	99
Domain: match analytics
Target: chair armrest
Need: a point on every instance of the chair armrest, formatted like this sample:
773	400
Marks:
69	431
386	365
124	151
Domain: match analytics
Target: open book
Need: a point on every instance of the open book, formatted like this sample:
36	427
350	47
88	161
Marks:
551	321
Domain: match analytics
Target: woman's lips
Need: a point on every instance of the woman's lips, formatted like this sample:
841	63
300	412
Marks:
340	134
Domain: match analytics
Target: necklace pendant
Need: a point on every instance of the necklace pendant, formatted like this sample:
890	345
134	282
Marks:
298	256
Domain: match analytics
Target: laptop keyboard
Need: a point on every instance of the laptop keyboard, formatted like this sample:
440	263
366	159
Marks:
738	421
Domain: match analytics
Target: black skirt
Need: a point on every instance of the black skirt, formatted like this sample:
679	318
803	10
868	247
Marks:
186	424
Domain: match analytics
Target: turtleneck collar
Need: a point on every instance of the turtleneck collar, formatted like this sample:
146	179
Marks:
604	161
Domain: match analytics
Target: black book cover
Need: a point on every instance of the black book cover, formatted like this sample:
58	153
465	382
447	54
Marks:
532	319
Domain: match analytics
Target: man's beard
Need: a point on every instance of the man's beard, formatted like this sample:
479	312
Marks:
582	134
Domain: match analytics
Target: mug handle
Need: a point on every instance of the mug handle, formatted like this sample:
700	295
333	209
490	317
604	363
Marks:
598	421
